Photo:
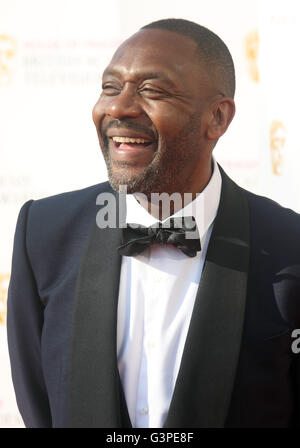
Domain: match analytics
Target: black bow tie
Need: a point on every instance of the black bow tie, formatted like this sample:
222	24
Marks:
175	231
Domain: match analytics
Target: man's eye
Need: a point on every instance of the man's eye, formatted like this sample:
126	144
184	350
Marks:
151	92
147	89
110	89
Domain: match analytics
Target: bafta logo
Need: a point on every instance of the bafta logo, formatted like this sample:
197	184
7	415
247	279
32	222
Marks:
4	280
252	49
8	49
277	144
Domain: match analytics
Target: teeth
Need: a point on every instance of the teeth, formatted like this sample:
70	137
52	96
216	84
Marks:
128	140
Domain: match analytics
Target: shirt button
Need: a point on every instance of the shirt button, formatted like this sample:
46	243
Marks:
152	344
144	411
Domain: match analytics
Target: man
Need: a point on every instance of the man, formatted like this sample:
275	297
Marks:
107	330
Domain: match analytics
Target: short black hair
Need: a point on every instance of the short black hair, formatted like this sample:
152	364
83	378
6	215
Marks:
212	50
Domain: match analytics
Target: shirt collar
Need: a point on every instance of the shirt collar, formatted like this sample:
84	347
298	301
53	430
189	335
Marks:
204	207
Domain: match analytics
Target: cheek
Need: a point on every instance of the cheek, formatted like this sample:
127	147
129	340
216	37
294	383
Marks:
168	121
98	112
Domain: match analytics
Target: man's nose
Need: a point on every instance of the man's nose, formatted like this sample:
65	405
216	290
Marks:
125	104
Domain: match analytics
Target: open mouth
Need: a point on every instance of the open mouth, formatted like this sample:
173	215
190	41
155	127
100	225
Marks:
137	148
130	142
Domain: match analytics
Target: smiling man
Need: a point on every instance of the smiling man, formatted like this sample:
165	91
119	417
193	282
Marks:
141	325
164	105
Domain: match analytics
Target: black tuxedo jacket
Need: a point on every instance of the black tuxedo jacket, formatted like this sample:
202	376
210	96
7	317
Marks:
237	369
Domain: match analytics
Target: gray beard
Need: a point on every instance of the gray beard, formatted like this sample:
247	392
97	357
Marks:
155	178
164	170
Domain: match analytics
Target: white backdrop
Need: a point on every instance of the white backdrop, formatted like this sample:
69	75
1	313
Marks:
52	54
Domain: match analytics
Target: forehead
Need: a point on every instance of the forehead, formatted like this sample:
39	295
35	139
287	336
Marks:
156	50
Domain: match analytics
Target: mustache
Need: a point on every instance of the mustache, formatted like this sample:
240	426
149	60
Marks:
122	124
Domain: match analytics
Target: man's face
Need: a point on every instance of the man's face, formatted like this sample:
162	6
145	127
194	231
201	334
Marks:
149	114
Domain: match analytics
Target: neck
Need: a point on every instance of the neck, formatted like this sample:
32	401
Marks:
162	205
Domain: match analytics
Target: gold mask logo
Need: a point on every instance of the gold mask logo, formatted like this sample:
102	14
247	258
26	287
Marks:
252	50
8	49
277	144
4	280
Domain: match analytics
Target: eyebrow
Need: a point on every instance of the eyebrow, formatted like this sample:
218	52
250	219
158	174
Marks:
143	75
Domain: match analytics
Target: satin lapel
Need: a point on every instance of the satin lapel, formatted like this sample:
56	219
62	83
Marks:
95	395
205	381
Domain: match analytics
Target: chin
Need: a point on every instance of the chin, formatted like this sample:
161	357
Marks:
130	182
148	179
133	178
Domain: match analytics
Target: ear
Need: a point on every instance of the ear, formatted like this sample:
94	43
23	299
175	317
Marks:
222	113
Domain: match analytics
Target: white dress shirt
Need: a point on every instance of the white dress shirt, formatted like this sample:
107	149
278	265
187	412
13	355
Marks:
156	299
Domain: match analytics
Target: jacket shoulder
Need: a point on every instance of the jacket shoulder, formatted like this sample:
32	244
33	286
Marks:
274	228
55	220
271	224
67	205
269	210
71	199
262	209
